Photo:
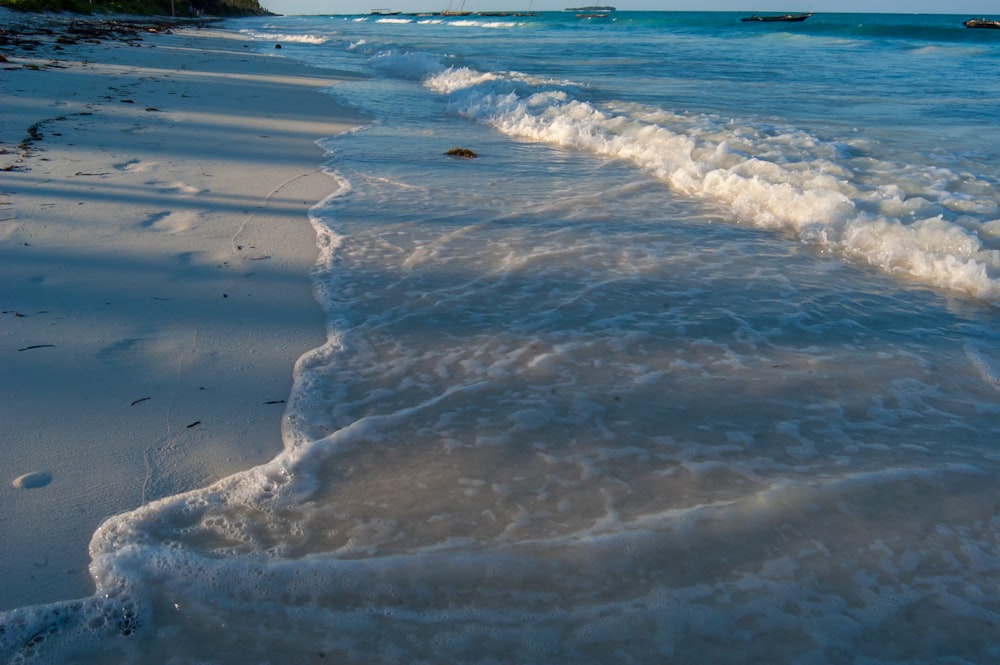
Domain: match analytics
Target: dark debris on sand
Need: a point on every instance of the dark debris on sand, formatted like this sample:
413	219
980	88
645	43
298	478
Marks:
39	36
25	34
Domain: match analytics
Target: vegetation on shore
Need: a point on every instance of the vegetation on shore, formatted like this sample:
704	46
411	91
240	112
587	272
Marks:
142	7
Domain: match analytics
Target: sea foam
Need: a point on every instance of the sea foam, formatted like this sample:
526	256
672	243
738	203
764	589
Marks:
778	178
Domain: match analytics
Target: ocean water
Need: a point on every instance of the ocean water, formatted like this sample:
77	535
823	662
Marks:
698	361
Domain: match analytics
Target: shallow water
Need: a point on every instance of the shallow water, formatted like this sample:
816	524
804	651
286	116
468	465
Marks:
695	362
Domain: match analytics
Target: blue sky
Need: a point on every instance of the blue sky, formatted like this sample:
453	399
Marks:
970	7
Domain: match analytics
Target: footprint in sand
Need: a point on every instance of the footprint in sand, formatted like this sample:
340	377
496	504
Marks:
169	221
33	480
135	166
128	348
176	187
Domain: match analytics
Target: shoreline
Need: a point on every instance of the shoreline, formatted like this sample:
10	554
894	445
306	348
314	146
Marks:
155	257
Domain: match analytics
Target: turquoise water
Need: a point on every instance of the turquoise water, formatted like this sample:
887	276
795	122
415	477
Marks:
696	362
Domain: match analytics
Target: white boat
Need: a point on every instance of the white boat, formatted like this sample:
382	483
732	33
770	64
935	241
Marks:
592	11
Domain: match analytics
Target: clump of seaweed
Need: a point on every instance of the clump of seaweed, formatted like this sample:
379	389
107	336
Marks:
463	153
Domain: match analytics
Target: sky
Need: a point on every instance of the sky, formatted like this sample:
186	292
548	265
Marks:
978	8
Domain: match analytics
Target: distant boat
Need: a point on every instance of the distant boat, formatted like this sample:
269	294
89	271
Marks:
514	13
460	12
591	11
787	18
982	23
385	12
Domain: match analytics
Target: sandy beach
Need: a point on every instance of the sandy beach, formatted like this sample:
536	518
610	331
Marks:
155	253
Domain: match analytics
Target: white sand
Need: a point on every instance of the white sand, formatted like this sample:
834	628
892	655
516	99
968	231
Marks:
155	252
